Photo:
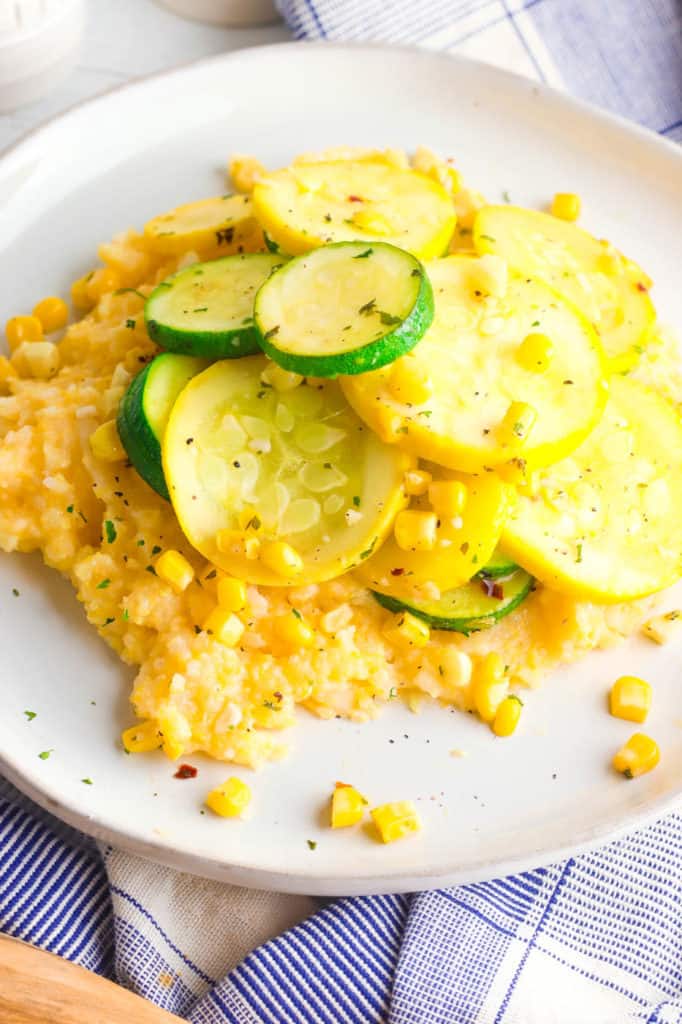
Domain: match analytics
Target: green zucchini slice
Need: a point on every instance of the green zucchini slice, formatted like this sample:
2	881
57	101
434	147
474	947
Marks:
344	308
144	411
479	604
499	564
207	308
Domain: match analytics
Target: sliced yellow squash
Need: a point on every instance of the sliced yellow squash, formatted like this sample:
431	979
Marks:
483	403
278	487
605	523
464	543
211	227
611	291
310	204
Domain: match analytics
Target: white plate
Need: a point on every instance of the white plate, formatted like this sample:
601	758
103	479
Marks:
508	805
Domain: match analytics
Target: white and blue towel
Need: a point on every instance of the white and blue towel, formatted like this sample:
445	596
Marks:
595	940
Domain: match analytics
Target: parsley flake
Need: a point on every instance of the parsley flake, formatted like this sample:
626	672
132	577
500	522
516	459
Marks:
271	333
110	531
388	320
103	584
130	324
87	782
30	715
369	307
312	845
44	754
363	255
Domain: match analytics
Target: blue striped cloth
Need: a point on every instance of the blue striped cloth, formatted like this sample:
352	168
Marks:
595	940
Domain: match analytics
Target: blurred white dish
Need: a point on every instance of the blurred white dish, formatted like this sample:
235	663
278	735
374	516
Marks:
39	42
225	12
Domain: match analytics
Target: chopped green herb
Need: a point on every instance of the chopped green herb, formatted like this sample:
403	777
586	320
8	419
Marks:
392	693
579	552
388	320
44	754
108	621
130	324
82	516
110	531
156	549
295	611
416	272
513	696
536	323
30	715
87	782
271	706
200	309
506	196
271	333
151	569
15	592
123	291
356	500
140	543
126	615
69	508
425	412
369	550
628	773
103	584
369	307
363	255
312	845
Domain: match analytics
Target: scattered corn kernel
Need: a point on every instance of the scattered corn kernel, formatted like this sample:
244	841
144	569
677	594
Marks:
245	171
409	381
105	443
490	687
79	294
415	530
100	282
661	628
280	379
39	359
23	328
408	631
639	755
348	806
517	424
535	353
448	497
142	738
282	558
630	698
232	594
225	626
566	205
174	568
417	481
396	820
293	630
507	716
52	312
231	799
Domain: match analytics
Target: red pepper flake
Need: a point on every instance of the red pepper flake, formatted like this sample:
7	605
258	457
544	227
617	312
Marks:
491	588
641	287
186	771
355	199
277	695
342	785
397	572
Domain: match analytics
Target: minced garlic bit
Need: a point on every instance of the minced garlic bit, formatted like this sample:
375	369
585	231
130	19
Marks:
661	628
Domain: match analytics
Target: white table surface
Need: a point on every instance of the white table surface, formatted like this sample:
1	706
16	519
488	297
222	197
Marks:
125	39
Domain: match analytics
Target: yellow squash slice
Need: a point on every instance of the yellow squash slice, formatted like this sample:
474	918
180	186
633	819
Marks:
307	205
611	291
464	543
604	524
483	403
211	227
278	487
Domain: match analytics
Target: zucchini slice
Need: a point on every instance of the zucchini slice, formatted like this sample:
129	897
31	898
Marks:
604	524
464	544
249	467
470	608
610	290
499	564
144	411
344	309
478	381
211	227
308	204
207	309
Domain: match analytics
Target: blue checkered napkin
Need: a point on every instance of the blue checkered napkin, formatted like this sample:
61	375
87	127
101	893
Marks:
625	55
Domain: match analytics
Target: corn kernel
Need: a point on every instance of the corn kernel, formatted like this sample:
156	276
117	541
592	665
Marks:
396	820
507	716
225	626
415	530
293	630
245	171
610	262
348	806
416	481
630	698
282	558
174	568
105	443
100	282
517	424
7	370
142	738
566	206
79	294
408	631
661	628
489	686
52	312
372	221
639	755
409	381
535	353
448	497
232	594
39	359
280	379
229	800
23	328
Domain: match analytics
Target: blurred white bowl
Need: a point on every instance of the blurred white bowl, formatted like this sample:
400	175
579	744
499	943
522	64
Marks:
39	41
225	12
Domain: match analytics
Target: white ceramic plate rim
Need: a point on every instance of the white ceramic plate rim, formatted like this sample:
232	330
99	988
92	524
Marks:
393	879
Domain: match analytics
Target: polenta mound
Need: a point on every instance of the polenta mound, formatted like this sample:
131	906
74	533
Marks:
100	525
